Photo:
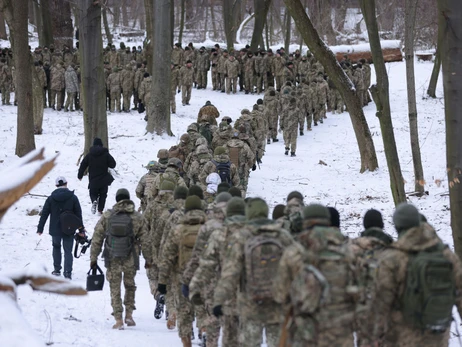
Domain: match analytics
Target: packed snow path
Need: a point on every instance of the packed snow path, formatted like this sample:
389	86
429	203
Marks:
87	321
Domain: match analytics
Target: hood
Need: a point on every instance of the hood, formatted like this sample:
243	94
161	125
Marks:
235	143
221	158
369	242
164	197
235	219
62	194
194	217
127	206
213	178
225	134
416	239
319	237
98	150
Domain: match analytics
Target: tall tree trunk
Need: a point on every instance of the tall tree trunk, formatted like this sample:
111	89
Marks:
410	16
382	101
149	13
231	12
450	26
31	13
92	72
322	53
172	20
16	15
47	33
38	22
124	14
116	19
3	34
212	16
107	30
63	29
141	11
288	30
431	91
261	8
182	13
159	110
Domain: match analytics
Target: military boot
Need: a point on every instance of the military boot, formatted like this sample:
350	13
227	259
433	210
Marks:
275	140
129	320
292	154
268	142
301	132
287	151
171	322
186	341
119	324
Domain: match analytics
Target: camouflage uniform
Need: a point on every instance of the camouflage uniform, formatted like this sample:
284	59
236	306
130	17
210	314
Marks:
222	135
177	56
6	81
203	66
139	73
202	157
387	322
145	92
174	85
278	71
267	64
367	81
254	316
272	113
170	257
144	185
211	167
239	150
118	267
127	77
209	114
170	174
249	72
232	67
358	80
221	70
186	80
290	119
289	75
72	87
57	85
215	75
114	58
114	86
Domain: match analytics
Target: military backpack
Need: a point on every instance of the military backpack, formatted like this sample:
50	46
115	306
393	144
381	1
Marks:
263	252
224	170
187	241
120	237
430	291
204	130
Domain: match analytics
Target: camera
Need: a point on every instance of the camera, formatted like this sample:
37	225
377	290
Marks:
82	240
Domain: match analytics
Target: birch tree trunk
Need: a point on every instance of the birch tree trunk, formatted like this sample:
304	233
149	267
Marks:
410	16
323	54
159	112
450	26
92	72
381	97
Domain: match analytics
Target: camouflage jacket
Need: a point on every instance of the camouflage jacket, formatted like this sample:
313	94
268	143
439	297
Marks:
139	75
139	230
144	93
128	79
57	78
196	167
203	62
211	167
290	118
177	56
114	84
171	249
186	76
246	156
208	113
233	275
72	82
232	68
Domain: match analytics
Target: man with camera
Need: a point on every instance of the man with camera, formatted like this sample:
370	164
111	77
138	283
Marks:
61	206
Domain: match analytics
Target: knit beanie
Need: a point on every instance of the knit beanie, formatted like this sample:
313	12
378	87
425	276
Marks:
278	211
192	203
295	194
235	206
373	218
223	197
234	191
197	191
219	150
180	193
256	208
223	187
334	217
167	185
122	194
97	142
316	211
406	216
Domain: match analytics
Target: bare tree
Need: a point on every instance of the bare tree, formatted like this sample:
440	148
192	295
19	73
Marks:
159	112
182	13
288	30
3	35
107	30
92	72
381	96
323	54
450	27
261	8
16	15
63	29
410	14
231	12
431	91
47	30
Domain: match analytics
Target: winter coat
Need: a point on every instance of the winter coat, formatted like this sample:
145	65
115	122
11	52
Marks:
57	78
62	199
98	161
72	82
186	76
232	68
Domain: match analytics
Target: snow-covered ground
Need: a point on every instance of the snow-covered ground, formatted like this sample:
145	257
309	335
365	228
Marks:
87	321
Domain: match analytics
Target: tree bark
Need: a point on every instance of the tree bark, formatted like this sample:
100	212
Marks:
116	20
38	22
261	8
107	30
124	14
92	72
382	101
450	26
323	54
159	110
16	15
287	33
431	91
410	16
63	29
47	34
149	13
231	9
212	16
182	13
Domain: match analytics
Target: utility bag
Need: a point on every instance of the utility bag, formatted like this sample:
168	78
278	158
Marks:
95	279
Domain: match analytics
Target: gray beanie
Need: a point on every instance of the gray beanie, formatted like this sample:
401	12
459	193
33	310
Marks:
406	216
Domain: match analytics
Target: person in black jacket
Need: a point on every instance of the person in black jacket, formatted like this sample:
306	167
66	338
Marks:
62	199
98	161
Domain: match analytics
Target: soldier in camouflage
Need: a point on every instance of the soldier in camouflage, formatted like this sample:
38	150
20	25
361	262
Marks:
72	87
171	174
146	182
208	114
57	85
121	266
203	66
202	157
220	156
114	86
128	84
242	157
6	80
186	81
290	119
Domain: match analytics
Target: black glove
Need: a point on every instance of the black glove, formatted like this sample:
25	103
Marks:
93	264
254	167
185	290
217	311
162	288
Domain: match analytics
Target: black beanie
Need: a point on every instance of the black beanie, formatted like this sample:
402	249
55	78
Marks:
197	191
373	218
97	142
223	187
295	194
278	211
122	194
334	217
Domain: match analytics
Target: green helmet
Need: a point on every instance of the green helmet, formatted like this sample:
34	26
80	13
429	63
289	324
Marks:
223	197
152	165
197	191
175	162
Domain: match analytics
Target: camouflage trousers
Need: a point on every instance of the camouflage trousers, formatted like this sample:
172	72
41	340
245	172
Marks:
135	98
230	325
185	315
309	119
273	126
231	84
37	107
251	331
6	90
70	101
279	82
173	100
126	98
56	96
202	78
290	139
222	81
117	271
268	79
172	300
186	93
215	80
258	82
152	273
115	102
249	82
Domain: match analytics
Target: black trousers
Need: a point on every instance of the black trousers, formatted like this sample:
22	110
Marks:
101	193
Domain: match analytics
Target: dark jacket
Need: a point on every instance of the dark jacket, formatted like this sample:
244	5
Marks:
62	199
98	161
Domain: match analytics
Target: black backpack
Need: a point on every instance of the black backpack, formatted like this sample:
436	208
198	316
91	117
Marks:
68	221
224	170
